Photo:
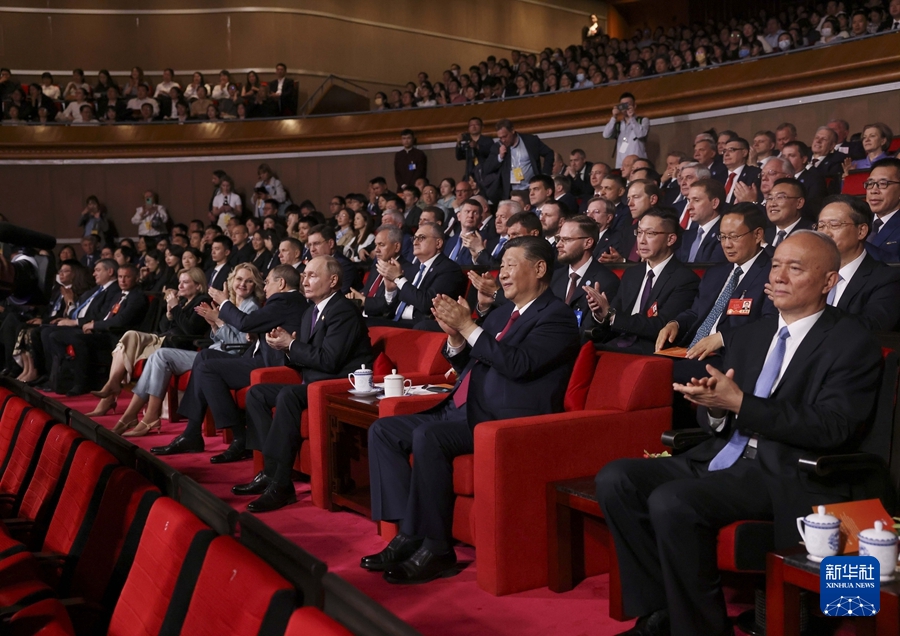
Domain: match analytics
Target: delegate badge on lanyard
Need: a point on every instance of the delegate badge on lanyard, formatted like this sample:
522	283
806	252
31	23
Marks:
739	306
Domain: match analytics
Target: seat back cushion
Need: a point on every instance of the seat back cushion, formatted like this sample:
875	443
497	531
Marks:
311	620
408	351
109	548
580	380
57	454
166	565
238	593
80	497
10	422
626	382
24	456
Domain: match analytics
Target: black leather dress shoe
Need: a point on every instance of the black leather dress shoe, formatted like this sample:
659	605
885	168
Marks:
38	382
397	551
422	567
234	453
75	391
256	487
180	444
275	496
655	624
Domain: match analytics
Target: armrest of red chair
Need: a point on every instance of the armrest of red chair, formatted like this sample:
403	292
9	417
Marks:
515	460
408	405
275	375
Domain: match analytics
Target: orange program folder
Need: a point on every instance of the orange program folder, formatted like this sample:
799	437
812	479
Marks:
673	352
856	516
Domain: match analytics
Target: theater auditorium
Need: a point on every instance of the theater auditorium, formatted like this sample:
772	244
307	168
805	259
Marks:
516	317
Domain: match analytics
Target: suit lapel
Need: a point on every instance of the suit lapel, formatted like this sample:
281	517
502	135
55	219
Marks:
529	317
664	277
755	271
807	348
855	284
758	355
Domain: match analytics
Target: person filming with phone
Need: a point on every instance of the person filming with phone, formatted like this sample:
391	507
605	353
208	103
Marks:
151	218
627	129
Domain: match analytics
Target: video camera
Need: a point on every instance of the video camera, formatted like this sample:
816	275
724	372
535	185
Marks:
26	276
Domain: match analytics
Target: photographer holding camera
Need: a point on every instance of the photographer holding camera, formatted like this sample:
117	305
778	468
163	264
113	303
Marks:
628	130
151	219
473	148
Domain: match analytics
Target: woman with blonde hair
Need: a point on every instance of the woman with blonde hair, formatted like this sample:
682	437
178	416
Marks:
245	291
179	327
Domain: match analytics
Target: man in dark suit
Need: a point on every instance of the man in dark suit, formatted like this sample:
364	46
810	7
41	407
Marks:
705	155
216	373
332	342
91	252
437	274
602	212
598	172
219	253
410	163
866	287
643	195
731	295
284	91
651	294
689	172
804	381
517	364
613	189
473	148
469	217
241	251
322	242
488	254
735	160
388	240
883	197
579	170
798	153
516	159
669	184
700	243
562	192
784	207
125	307
826	160
575	247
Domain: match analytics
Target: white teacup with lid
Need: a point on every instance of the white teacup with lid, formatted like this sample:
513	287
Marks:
823	534
881	544
361	380
395	385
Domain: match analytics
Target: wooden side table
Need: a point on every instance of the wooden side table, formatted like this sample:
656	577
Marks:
789	571
349	418
569	504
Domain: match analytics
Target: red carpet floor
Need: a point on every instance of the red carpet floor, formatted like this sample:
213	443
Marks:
453	606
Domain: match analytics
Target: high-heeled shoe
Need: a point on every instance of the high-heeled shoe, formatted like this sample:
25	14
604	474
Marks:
105	406
104	393
143	428
124	425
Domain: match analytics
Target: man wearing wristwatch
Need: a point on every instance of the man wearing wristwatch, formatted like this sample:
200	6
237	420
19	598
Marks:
410	300
651	294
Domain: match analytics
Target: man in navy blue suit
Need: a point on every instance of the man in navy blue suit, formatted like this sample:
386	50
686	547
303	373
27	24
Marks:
216	373
798	153
469	217
735	159
514	160
700	242
866	287
784	207
883	197
731	294
705	155
518	364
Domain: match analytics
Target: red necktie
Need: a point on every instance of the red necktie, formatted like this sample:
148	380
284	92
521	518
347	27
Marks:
374	288
729	183
462	392
685	218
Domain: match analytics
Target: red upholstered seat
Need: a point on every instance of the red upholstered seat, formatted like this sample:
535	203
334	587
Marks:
308	621
173	543
619	407
238	593
44	618
23	457
853	183
14	411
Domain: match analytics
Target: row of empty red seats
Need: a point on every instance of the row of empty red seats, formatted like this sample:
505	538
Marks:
89	546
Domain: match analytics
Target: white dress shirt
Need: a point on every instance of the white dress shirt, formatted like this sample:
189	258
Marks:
389	296
656	272
845	274
737	176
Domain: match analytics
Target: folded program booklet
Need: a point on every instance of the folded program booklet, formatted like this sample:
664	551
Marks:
856	516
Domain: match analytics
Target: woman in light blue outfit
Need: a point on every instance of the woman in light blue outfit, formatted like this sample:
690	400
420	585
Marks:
245	290
876	139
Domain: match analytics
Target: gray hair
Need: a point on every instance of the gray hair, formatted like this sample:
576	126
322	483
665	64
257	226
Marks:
514	206
394	233
785	165
829	247
436	231
702	171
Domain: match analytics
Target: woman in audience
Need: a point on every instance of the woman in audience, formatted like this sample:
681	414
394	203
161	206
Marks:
251	87
364	237
192	257
212	113
876	139
261	256
178	328
226	204
448	185
104	83
241	111
381	102
155	274
427	95
831	31
245	291
552	82
190	91
269	182
173	256
71	91
201	103
785	42
220	90
229	103
48	88
182	112
135	80
67	253
73	110
344	231
36	100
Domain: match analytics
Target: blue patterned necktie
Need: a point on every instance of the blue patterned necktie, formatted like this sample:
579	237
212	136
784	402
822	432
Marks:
402	306
764	384
695	247
721	303
455	253
500	244
833	293
86	302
